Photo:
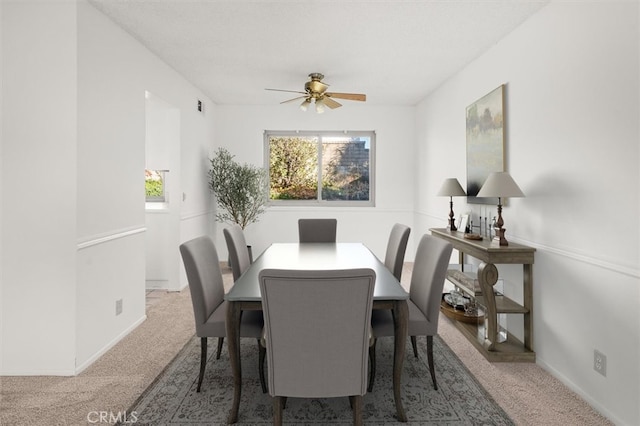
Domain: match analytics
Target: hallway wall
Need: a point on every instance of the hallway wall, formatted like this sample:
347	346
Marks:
73	150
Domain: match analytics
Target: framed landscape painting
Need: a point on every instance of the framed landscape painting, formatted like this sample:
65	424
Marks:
485	142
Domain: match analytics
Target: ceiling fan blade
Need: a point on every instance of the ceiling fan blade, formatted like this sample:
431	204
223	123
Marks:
349	96
331	103
289	91
294	99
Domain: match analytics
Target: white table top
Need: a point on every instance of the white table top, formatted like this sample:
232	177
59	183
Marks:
316	256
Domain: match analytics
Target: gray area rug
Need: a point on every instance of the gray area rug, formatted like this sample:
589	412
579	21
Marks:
460	400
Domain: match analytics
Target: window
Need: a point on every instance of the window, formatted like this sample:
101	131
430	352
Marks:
320	167
154	184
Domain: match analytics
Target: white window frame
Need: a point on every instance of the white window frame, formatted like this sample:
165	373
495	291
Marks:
320	135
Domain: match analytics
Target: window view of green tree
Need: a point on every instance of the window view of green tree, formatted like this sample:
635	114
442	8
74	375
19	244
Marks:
344	167
293	169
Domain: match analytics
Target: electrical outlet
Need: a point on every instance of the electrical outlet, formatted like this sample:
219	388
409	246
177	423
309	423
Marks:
600	362
118	307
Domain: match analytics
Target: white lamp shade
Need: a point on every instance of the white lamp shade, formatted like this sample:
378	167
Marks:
305	104
451	188
500	184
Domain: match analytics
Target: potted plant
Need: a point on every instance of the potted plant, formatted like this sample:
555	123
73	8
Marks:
241	190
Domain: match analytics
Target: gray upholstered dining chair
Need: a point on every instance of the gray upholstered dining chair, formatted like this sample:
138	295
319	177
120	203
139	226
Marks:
209	307
425	293
317	350
317	230
238	252
396	249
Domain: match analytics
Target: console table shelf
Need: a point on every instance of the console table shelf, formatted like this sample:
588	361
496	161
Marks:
512	350
504	305
480	287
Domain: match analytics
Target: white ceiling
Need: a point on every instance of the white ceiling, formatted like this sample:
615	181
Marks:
396	52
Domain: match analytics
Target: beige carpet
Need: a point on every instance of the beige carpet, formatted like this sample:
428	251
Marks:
113	383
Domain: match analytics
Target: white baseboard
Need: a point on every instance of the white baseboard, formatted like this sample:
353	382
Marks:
597	406
163	285
112	343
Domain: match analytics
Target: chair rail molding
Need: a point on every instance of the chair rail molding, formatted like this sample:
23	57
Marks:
195	215
110	236
628	270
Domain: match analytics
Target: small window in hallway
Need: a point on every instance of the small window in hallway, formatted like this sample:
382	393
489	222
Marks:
154	183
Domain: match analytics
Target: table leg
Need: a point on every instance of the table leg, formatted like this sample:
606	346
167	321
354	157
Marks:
401	328
234	312
527	287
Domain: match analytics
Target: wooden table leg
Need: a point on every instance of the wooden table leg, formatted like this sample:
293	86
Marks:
234	311
527	290
401	328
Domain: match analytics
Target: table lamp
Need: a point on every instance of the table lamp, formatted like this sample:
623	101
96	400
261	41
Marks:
500	184
451	188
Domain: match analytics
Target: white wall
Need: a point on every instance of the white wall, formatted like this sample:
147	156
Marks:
39	100
115	73
572	113
241	128
73	219
111	222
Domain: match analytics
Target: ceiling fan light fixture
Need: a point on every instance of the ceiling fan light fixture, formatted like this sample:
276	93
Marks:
315	91
305	104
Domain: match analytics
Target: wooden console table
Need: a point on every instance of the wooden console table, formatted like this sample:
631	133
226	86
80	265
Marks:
490	253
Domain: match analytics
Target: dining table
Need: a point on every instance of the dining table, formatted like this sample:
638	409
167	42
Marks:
245	295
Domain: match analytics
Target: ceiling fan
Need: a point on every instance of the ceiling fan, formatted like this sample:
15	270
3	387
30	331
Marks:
315	91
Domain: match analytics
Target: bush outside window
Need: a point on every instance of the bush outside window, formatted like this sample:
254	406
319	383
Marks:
320	167
154	184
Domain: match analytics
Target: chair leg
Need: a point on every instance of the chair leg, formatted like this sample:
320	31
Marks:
220	340
372	364
414	343
277	411
203	361
356	404
262	352
430	361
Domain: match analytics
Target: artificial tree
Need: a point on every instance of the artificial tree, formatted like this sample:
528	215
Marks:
241	190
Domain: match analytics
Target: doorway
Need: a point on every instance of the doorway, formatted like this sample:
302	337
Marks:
162	204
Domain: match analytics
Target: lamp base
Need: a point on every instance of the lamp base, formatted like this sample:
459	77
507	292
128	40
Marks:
452	220
499	238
